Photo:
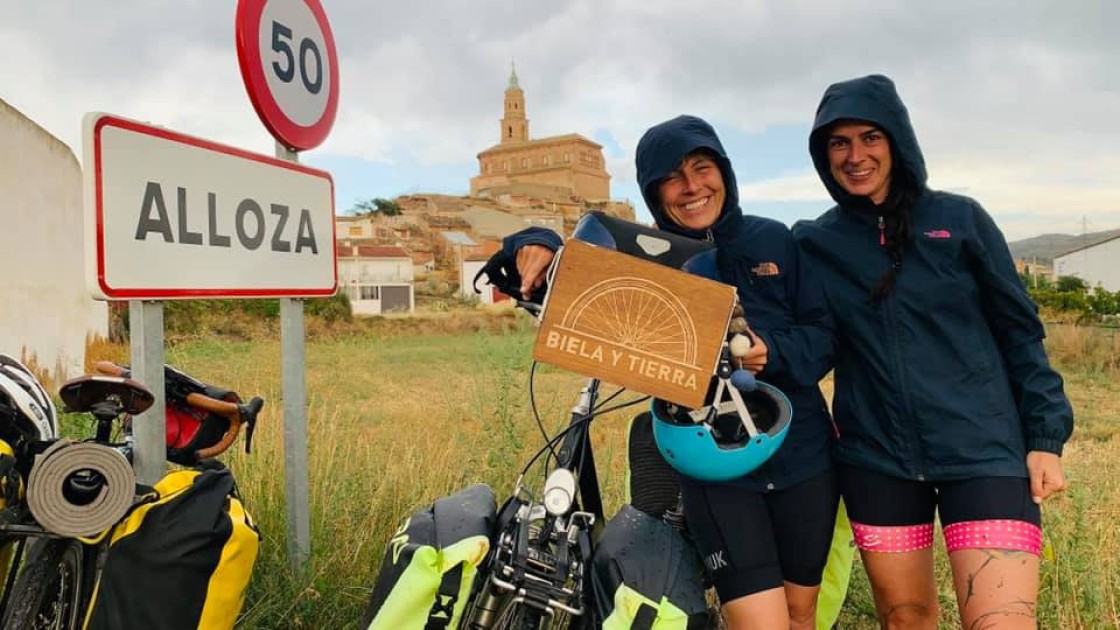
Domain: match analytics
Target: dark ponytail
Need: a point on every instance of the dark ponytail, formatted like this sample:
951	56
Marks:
895	216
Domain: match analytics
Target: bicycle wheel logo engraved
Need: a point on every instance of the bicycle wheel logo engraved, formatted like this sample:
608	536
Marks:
635	313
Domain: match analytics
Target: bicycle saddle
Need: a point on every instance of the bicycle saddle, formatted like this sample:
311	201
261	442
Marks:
83	393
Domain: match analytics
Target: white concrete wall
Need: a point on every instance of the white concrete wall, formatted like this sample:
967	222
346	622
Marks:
367	270
45	310
1097	265
467	272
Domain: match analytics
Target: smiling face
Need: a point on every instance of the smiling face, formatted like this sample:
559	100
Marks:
859	156
693	194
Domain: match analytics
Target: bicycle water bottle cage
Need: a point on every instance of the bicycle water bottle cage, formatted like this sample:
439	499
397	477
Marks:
724	441
672	250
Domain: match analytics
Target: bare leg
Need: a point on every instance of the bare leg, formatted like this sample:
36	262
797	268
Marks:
802	601
759	611
996	588
904	588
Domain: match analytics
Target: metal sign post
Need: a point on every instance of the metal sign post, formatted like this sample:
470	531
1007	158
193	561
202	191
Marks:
145	324
294	390
290	69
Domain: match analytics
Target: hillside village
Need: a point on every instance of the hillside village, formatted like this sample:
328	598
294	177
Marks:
440	240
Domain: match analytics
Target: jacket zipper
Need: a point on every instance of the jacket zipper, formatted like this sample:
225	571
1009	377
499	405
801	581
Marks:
882	232
888	302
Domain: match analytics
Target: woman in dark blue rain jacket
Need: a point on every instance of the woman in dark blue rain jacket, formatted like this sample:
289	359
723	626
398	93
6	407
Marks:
764	537
944	397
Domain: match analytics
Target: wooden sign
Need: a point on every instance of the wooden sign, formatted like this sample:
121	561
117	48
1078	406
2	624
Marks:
650	328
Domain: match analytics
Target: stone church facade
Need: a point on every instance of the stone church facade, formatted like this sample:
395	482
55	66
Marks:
569	167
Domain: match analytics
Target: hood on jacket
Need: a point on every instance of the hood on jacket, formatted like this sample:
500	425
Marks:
875	100
662	149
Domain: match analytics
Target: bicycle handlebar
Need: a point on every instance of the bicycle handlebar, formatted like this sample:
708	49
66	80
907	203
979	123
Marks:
532	308
236	413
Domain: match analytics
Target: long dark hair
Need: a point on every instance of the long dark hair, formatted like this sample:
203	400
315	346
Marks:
895	213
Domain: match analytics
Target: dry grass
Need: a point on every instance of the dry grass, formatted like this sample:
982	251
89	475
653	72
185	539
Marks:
401	413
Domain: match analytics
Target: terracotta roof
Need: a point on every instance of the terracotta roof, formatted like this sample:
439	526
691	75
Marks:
373	251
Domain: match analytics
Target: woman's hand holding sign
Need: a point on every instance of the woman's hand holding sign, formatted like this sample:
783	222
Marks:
749	349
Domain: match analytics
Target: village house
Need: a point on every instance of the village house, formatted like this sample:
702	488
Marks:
1097	264
376	278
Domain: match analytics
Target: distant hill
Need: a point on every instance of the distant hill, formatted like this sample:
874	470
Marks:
1044	248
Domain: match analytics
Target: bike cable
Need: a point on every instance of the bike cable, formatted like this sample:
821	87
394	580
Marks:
552	442
536	412
601	409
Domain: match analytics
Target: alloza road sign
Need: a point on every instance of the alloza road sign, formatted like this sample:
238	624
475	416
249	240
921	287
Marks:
171	216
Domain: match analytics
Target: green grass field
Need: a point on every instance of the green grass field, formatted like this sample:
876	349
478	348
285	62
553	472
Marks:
398	418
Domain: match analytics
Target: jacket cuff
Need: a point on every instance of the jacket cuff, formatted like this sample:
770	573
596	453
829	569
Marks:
1048	445
774	363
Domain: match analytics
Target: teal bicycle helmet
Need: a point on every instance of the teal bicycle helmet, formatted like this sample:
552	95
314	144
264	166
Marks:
716	443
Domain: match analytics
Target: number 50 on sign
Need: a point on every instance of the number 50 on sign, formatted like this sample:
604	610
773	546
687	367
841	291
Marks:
290	68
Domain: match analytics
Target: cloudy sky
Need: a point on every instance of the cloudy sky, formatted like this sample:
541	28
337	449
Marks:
1016	103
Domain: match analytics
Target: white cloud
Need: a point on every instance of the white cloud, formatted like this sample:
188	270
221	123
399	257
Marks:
1016	102
795	187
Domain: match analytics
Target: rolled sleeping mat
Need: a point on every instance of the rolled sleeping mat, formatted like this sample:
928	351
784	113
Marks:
90	510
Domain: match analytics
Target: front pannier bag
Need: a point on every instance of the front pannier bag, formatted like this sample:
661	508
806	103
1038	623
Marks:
180	560
431	562
647	576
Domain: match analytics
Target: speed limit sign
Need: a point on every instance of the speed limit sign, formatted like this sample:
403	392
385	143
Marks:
290	68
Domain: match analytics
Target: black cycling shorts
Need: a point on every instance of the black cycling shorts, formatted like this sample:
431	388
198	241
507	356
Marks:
890	514
882	500
752	542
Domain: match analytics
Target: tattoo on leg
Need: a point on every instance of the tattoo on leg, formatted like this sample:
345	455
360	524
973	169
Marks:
972	575
990	619
992	554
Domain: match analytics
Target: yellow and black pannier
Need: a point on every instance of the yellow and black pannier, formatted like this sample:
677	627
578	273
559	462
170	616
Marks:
181	559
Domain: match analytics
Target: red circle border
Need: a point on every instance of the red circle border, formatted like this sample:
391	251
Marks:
284	129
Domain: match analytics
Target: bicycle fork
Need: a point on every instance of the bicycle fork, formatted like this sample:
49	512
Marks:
539	565
540	559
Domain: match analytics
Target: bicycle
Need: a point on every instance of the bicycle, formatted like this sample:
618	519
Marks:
539	570
50	575
539	563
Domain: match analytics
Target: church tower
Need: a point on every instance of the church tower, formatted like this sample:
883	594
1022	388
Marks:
515	126
564	173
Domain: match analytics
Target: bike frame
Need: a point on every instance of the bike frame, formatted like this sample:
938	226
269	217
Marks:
542	555
106	409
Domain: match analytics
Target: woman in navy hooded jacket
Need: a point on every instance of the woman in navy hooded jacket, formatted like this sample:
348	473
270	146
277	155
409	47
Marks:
944	397
765	537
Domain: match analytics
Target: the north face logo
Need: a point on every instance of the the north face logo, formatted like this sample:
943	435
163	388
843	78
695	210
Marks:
765	269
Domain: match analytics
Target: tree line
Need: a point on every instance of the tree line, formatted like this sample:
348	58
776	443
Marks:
1069	294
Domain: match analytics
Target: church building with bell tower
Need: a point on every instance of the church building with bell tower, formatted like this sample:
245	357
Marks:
569	167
